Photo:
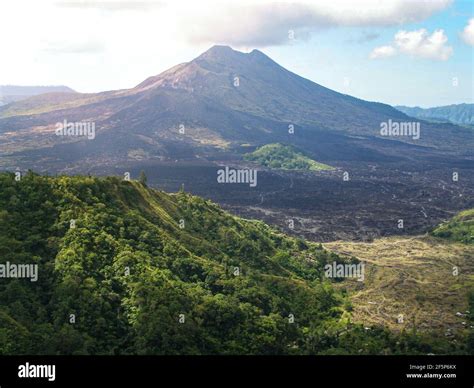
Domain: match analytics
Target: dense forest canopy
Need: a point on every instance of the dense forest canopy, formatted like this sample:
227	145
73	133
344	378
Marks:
125	269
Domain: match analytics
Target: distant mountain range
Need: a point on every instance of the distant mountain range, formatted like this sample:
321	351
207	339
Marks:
211	108
462	114
10	93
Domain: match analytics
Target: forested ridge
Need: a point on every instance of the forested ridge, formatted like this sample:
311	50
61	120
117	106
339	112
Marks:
125	269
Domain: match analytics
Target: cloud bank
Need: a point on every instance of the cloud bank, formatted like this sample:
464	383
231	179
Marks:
266	23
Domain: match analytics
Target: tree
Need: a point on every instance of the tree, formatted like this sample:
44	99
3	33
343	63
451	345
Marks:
142	178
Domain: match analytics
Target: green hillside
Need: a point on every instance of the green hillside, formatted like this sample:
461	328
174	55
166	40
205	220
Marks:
123	226
284	157
123	269
461	114
459	228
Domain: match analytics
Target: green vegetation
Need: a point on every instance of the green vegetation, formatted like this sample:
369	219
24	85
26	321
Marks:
470	341
427	280
143	178
284	157
459	228
461	114
124	269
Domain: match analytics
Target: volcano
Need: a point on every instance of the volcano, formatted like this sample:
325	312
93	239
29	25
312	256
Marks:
215	106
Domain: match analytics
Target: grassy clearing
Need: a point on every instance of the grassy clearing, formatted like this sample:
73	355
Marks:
414	277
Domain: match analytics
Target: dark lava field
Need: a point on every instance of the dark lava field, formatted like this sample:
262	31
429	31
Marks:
322	206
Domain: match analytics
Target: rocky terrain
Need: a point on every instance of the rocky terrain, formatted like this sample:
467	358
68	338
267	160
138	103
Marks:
183	124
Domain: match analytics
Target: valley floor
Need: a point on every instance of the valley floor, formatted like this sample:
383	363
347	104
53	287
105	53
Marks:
322	205
422	279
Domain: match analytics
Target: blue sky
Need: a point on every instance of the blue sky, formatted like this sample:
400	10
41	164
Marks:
396	51
339	59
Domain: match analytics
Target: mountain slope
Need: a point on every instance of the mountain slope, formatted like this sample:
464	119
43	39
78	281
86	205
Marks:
220	100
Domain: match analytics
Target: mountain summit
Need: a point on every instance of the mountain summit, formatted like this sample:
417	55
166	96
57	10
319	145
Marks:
212	70
226	55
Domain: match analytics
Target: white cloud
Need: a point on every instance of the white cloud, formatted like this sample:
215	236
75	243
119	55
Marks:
467	34
418	43
382	52
267	22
